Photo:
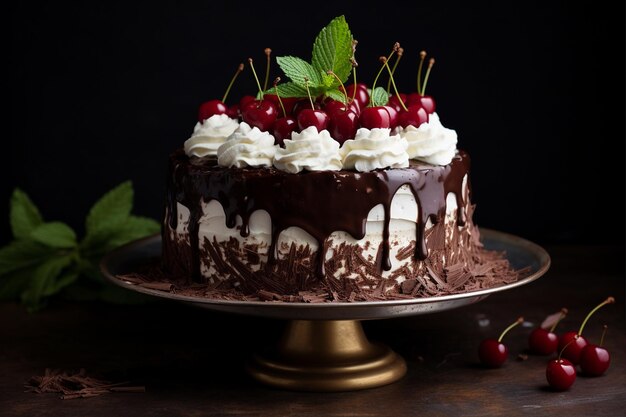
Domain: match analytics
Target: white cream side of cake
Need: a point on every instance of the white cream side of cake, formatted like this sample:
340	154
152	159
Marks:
402	230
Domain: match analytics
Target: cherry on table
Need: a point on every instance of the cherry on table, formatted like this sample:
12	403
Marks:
544	341
572	343
560	374
492	352
595	359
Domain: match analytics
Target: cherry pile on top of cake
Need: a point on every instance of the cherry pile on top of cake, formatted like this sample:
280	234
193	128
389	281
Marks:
318	191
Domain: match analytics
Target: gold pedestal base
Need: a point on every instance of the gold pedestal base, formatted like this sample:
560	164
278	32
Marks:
327	355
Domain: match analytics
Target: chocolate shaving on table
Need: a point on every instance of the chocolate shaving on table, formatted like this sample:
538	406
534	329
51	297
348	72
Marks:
73	385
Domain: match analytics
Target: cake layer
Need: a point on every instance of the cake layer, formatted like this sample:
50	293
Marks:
374	232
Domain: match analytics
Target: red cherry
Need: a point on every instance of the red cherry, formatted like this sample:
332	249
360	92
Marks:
310	117
343	125
393	116
245	100
210	108
543	342
414	116
302	104
492	352
395	102
375	117
361	95
283	129
288	102
233	111
594	359
427	102
260	113
334	106
574	349
560	374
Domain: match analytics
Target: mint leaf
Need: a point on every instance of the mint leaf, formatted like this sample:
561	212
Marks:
288	89
21	254
336	95
14	283
65	279
298	69
135	227
379	97
24	216
42	281
111	210
55	235
332	49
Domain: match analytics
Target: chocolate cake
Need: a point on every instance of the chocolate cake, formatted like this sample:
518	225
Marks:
362	196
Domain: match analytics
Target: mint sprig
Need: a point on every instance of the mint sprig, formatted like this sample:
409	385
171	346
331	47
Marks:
332	51
46	258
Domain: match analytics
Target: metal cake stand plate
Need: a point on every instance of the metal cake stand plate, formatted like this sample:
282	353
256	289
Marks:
324	347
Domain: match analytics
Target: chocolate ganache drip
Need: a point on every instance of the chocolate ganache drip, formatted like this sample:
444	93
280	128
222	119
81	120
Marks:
320	202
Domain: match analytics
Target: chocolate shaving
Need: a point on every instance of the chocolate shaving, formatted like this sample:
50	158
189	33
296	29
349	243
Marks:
73	385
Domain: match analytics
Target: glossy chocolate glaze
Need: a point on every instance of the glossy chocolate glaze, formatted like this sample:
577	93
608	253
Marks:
318	202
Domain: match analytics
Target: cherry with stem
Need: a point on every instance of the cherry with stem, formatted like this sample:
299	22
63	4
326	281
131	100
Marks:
212	107
595	359
492	352
560	372
312	116
285	125
544	341
574	350
395	65
268	54
259	113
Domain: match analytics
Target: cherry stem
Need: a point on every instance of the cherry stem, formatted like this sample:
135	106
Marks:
609	300
256	78
384	61
354	82
561	317
603	333
430	66
394	86
419	71
276	81
308	93
565	347
395	64
343	88
232	81
268	53
518	321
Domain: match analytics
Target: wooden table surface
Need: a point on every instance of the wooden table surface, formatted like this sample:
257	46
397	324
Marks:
190	360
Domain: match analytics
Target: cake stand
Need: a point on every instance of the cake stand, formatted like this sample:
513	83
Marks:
323	347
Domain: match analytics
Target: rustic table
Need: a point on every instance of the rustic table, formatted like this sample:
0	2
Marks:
191	360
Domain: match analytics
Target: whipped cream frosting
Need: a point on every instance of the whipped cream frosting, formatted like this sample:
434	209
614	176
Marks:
247	146
431	142
209	134
309	150
374	149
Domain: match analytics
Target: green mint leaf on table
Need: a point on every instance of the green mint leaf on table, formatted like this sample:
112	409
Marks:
54	235
21	254
43	281
298	69
379	97
332	49
111	210
24	215
45	258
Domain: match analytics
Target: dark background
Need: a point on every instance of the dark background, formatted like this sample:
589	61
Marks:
101	93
